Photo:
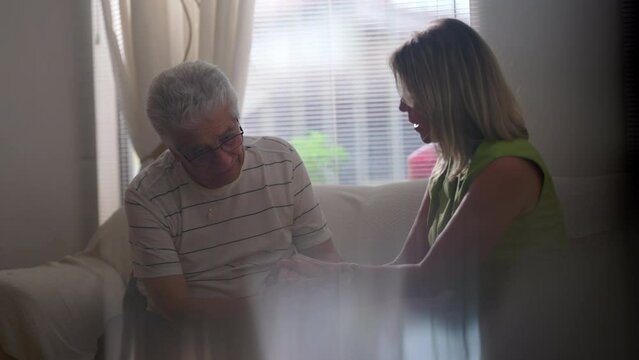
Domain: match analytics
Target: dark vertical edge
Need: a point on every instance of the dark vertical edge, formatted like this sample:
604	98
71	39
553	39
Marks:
630	112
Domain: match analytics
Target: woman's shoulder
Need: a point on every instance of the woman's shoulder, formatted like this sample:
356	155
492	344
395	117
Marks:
490	150
499	148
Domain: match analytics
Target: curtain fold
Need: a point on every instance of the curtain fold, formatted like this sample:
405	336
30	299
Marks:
225	35
146	37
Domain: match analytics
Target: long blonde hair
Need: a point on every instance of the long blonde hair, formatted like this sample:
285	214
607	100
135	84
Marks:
453	78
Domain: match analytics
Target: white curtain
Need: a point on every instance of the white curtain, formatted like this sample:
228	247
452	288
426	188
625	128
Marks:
146	37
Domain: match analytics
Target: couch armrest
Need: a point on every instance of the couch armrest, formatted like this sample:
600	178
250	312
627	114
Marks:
58	310
110	243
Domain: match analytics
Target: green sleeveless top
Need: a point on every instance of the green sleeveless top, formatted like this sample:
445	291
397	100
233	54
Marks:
540	230
513	289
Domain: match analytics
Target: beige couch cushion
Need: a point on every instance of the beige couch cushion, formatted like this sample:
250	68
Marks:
370	223
57	310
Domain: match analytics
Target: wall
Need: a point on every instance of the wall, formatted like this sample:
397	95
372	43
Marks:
47	181
563	60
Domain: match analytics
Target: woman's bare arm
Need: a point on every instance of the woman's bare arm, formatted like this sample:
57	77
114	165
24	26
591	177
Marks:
509	188
416	245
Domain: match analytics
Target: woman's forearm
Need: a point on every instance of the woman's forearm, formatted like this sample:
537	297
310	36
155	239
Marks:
408	280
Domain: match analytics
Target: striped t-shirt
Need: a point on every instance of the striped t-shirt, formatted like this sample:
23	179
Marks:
226	240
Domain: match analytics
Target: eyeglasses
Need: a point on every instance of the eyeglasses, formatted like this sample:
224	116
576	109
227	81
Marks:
204	153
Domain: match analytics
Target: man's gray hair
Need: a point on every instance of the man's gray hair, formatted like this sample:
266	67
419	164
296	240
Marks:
180	96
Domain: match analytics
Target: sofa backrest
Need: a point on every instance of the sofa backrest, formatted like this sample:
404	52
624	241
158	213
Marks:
370	223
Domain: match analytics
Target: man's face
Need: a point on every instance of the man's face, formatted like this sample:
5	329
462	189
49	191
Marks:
199	151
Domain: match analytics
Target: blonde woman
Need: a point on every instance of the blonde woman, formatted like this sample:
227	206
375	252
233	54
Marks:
490	223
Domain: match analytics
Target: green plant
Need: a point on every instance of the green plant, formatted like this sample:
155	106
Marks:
320	157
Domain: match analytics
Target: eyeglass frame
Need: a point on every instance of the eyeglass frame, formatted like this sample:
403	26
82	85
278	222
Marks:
212	150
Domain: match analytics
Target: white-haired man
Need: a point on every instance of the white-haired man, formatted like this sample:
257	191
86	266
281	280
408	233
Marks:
211	216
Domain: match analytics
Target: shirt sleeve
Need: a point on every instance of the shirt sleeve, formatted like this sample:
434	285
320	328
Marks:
309	223
152	248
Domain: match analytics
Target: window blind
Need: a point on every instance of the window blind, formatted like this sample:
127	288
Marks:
319	77
117	163
106	124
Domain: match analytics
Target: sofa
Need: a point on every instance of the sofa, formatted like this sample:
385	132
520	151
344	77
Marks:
60	309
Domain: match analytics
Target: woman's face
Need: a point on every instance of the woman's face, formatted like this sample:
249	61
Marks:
417	118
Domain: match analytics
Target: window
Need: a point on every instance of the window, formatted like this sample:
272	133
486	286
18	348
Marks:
116	160
319	77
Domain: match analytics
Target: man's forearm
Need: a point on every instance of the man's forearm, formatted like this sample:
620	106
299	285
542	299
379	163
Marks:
325	251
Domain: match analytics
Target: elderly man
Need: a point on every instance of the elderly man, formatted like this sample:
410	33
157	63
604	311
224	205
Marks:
211	216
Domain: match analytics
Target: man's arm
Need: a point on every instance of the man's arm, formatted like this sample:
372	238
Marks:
325	251
170	297
309	222
158	266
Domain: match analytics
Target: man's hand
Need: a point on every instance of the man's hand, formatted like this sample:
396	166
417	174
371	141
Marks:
303	266
325	251
281	275
170	296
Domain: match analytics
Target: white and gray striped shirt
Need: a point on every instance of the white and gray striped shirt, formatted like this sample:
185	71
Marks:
224	241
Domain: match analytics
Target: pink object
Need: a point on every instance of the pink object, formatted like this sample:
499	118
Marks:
421	162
